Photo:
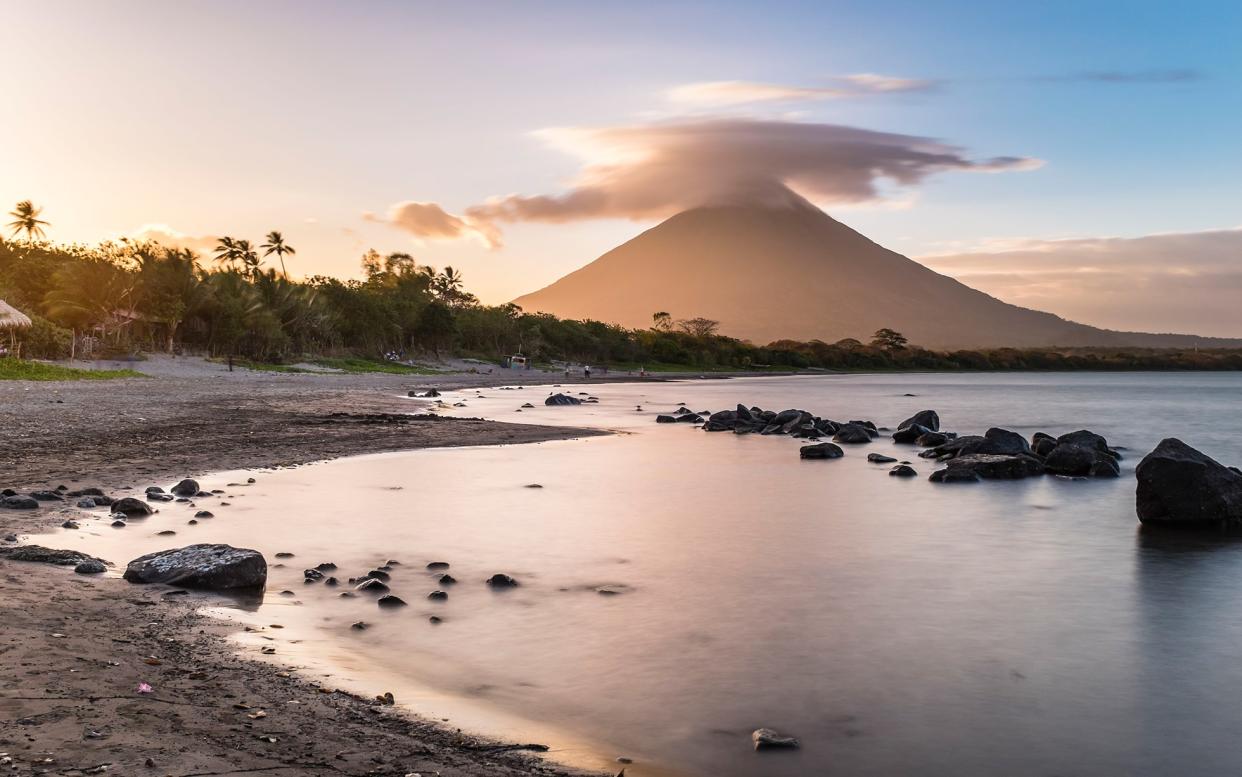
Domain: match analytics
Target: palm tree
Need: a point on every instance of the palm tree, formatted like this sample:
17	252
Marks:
226	251
276	245
26	219
248	258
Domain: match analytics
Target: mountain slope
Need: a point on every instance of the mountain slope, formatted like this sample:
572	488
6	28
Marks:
768	273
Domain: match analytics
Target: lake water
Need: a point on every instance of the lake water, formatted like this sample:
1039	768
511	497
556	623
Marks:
894	626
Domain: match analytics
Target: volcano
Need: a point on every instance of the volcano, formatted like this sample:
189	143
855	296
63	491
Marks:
793	272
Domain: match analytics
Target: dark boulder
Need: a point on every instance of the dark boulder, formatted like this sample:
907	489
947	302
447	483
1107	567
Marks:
1180	486
767	739
1043	444
903	471
47	496
1085	439
562	399
20	502
715	426
90	567
131	507
186	487
213	567
692	418
959	475
744	414
880	458
41	555
928	419
852	433
785	416
682	411
372	586
1073	460
911	433
823	450
932	439
389	600
500	580
437	596
666	419
990	466
1004	442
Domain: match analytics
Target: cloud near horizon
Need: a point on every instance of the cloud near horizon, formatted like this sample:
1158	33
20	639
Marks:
652	171
718	94
172	238
1180	282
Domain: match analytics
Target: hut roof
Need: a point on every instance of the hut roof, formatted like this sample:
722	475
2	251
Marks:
11	317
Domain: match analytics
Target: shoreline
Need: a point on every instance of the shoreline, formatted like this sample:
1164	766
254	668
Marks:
79	645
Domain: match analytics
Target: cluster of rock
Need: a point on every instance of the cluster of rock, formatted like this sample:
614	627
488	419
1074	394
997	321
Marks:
1000	454
793	423
87	498
375	582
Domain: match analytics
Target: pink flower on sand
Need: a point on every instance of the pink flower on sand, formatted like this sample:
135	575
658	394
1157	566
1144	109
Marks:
144	688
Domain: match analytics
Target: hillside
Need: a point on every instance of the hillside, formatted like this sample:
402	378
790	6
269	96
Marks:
793	272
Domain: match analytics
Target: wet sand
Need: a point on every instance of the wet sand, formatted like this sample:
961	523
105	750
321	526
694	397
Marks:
74	649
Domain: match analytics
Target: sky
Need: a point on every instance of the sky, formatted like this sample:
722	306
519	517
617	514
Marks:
1077	157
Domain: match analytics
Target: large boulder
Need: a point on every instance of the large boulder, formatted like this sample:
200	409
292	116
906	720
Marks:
213	567
990	466
186	487
928	419
910	433
823	450
41	555
852	433
19	502
1180	486
1077	461
131	506
562	399
1004	442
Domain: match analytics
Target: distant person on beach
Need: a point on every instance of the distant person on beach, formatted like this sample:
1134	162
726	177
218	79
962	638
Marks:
586	371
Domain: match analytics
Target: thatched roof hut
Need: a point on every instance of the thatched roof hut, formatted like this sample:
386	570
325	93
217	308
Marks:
12	318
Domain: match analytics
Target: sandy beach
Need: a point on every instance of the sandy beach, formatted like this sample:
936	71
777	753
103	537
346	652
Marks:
75	648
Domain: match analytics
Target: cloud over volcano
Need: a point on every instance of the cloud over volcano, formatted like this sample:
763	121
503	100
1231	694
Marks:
652	171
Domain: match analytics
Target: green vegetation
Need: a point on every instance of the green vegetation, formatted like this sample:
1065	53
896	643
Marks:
130	297
23	369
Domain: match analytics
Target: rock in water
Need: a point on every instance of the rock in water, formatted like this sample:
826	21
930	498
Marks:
852	433
911	433
1180	486
501	580
186	487
880	458
823	450
131	506
562	399
925	418
213	567
42	555
389	600
903	471
989	467
19	502
768	739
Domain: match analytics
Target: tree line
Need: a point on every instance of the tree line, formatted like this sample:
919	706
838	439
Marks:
129	296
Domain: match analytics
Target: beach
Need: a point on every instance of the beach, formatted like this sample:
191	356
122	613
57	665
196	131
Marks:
76	648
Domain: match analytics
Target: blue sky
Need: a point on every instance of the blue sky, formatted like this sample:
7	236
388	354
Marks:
215	118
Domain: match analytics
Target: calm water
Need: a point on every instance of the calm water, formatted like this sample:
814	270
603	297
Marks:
895	626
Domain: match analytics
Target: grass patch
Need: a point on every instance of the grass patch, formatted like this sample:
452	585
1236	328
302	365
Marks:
21	369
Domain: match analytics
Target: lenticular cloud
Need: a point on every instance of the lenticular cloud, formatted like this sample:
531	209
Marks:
652	171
